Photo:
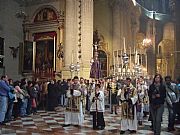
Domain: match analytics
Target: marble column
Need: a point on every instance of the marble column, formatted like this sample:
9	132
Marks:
151	54
122	26
86	36
70	36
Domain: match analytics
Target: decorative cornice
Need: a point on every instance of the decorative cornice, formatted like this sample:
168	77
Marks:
27	3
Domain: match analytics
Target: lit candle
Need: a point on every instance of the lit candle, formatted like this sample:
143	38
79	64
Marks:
92	50
146	62
130	59
54	53
114	63
117	59
124	44
136	57
121	59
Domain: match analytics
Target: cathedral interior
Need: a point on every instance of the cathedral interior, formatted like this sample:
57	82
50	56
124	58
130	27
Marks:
62	38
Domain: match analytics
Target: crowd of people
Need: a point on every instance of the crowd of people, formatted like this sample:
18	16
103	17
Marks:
135	98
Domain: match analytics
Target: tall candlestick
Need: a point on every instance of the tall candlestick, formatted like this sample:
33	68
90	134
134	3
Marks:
130	59
121	59
92	51
141	58
138	60
54	53
72	56
114	63
117	61
146	62
136	57
124	44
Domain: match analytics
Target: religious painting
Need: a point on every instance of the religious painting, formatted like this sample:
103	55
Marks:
44	60
46	14
95	70
103	63
28	56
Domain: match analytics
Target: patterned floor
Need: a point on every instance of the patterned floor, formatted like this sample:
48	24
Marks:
50	123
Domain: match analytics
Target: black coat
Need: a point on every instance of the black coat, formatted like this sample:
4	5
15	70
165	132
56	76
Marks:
52	96
152	91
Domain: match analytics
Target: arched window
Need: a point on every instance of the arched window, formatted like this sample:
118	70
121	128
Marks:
160	50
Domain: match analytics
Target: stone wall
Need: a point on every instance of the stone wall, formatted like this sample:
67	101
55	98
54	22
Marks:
12	32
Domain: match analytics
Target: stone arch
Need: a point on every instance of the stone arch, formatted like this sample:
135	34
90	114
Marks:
52	11
168	31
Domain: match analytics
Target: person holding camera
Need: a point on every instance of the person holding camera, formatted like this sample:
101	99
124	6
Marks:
157	95
97	108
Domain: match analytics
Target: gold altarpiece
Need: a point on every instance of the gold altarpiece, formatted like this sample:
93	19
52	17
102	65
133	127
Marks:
165	58
42	55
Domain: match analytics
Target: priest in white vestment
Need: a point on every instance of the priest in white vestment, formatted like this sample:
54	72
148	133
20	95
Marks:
128	98
74	112
97	108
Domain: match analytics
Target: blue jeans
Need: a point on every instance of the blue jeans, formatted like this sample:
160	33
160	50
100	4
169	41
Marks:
9	111
63	99
157	118
23	107
3	107
171	117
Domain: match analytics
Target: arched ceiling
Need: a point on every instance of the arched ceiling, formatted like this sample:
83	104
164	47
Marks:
33	2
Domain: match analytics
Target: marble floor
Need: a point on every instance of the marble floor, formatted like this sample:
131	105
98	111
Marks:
51	123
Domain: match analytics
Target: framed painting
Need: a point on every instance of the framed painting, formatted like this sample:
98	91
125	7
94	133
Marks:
27	57
44	60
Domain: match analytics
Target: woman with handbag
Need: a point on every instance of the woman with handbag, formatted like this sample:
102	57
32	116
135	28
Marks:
157	95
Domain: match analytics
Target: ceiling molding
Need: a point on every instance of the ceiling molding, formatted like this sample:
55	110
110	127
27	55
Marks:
32	2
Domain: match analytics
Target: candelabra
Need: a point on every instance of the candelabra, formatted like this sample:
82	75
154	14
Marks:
74	68
123	71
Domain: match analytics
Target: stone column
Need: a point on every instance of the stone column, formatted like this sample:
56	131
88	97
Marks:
116	26
177	40
70	36
86	36
151	54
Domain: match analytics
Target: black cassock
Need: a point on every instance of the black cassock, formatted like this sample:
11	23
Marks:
52	96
